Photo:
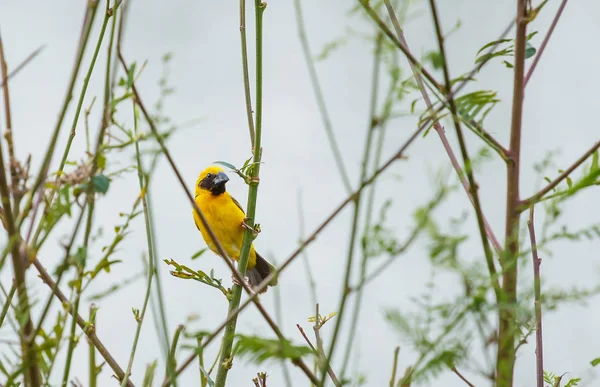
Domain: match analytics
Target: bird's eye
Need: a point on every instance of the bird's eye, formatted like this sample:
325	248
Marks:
209	175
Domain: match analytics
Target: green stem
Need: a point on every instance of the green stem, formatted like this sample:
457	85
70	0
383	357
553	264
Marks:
245	69
357	200
28	350
314	79
172	361
86	81
143	189
7	304
382	121
92	350
226	358
88	22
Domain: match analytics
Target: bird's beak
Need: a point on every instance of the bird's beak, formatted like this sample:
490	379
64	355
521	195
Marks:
221	178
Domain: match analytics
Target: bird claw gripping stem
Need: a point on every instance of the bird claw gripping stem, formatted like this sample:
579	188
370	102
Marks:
255	230
246	281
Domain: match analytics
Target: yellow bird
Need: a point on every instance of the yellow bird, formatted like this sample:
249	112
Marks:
226	218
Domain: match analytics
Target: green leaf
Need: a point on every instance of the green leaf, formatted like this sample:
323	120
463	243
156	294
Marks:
199	253
436	59
226	164
131	75
495	42
81	256
259	349
529	51
101	183
595	362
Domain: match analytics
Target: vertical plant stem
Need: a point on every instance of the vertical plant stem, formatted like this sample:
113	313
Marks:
539	340
28	351
314	79
507	329
484	229
394	367
12	161
373	125
172	360
245	70
279	321
92	350
226	359
357	201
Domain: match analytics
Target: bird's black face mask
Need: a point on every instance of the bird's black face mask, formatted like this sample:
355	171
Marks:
215	183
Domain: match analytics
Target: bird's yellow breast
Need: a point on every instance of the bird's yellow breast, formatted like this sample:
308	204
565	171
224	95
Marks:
225	219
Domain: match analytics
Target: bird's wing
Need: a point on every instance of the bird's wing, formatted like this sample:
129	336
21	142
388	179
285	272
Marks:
237	204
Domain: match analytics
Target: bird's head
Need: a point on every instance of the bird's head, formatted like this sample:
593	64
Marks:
212	180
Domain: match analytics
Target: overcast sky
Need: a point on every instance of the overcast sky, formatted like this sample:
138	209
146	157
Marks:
203	36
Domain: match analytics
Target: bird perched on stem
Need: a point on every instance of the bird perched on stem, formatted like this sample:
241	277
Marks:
227	220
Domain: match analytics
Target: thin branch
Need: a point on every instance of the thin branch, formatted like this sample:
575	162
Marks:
29	354
507	315
319	353
12	160
398	43
316	85
88	329
394	367
461	376
539	195
88	21
21	65
539	341
545	41
471	187
245	69
377	60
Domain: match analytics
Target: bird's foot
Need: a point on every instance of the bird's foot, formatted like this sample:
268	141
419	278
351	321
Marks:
235	281
255	230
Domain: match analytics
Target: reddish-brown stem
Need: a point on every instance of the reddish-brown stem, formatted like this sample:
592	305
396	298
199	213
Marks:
471	187
526	203
507	314
29	355
461	376
545	41
539	342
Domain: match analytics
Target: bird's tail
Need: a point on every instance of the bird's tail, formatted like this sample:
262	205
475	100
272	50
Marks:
260	271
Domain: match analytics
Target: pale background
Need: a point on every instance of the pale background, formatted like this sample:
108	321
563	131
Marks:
560	113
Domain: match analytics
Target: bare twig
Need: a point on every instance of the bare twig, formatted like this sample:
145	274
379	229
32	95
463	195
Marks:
545	41
461	376
539	195
539	342
319	354
470	186
507	319
21	65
